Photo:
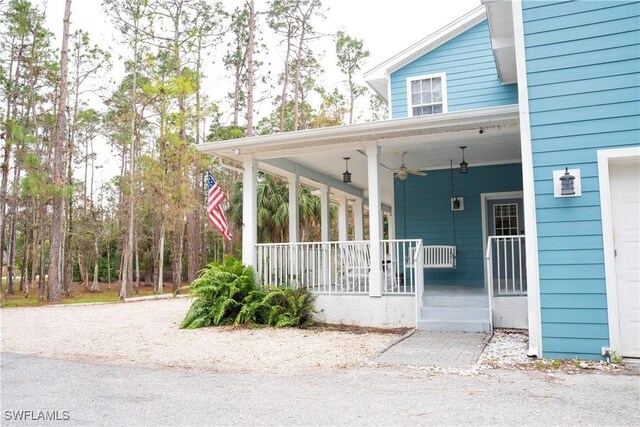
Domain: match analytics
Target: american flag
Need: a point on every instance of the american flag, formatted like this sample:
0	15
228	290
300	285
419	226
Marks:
216	215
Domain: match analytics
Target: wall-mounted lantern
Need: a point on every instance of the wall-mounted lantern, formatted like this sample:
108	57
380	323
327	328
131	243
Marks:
457	203
346	175
566	183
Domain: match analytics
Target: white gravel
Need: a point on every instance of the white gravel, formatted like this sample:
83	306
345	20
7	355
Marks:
507	349
146	333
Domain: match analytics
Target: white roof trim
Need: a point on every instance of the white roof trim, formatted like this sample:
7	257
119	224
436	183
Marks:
500	17
377	77
266	146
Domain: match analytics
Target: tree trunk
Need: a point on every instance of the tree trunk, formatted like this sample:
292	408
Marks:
12	235
109	266
83	271
160	284
137	255
41	282
58	200
252	25
285	84
178	247
296	83
192	246
95	286
67	268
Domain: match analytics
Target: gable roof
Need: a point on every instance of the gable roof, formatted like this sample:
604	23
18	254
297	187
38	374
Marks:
378	77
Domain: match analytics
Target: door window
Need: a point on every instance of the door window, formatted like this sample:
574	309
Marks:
505	218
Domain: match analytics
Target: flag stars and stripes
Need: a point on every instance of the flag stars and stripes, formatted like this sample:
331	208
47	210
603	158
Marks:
214	209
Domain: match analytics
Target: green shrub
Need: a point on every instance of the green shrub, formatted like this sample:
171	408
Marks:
290	307
227	293
219	294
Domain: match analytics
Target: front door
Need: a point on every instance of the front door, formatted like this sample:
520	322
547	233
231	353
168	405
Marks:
625	209
505	219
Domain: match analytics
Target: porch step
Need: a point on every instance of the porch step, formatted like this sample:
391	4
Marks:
455	301
456	310
454	325
455	313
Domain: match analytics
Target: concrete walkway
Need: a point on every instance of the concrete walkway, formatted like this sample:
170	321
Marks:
440	349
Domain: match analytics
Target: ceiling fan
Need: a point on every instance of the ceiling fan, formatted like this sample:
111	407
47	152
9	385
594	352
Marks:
404	171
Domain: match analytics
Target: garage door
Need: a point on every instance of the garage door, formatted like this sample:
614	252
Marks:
625	204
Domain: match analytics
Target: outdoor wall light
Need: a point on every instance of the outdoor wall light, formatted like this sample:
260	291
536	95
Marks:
457	203
236	151
464	166
566	183
346	176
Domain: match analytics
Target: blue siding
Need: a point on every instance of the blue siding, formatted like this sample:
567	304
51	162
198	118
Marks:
583	73
472	79
427	213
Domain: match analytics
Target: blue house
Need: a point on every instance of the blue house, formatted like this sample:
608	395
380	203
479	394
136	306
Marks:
509	175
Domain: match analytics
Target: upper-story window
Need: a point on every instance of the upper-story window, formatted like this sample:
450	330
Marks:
427	94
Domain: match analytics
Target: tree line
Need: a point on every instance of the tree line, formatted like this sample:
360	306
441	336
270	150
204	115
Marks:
60	222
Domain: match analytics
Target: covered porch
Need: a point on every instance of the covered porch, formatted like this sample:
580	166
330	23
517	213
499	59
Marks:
377	277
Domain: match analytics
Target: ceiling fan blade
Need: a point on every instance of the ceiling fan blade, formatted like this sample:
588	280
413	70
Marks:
419	172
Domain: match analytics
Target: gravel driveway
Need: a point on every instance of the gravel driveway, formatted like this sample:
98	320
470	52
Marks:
146	333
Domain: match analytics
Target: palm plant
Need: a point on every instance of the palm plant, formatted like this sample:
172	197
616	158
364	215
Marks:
273	209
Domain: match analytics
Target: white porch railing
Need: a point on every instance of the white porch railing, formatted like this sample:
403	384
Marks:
338	267
506	266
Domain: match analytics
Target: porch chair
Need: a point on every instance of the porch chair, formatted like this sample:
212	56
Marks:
356	263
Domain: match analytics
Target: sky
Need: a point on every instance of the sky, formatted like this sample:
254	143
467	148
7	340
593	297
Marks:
386	28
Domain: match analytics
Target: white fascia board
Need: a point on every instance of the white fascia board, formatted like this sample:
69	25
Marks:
501	31
424	46
360	132
528	188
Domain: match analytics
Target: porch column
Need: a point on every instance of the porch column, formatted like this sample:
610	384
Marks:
342	219
249	211
358	219
294	210
325	221
375	220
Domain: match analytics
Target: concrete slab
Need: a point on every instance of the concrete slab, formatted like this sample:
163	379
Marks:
440	349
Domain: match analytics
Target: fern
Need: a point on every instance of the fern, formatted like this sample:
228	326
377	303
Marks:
226	293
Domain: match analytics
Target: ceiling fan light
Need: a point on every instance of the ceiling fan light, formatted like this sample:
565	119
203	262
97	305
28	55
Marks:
402	173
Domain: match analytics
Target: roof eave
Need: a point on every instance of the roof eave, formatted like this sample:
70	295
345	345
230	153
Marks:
500	19
360	132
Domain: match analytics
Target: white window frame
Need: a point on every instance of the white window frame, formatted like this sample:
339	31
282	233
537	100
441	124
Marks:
443	80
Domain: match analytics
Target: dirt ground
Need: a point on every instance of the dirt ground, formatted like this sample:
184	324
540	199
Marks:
146	333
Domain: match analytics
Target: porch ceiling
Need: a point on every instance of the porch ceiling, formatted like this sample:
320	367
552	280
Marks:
430	142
